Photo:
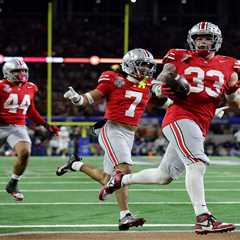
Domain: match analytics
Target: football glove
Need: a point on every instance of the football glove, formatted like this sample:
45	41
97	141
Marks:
219	112
72	95
162	90
52	129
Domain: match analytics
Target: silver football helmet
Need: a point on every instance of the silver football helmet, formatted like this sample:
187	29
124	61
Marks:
12	70
205	28
139	63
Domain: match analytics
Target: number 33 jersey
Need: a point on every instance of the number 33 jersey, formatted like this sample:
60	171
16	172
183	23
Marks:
208	80
126	97
15	101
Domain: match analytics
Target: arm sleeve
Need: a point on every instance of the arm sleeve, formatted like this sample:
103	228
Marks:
34	115
170	57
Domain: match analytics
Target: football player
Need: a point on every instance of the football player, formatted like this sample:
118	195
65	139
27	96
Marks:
16	105
187	120
127	92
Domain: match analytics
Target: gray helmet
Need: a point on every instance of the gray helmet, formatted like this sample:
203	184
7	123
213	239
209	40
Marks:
11	67
139	63
205	28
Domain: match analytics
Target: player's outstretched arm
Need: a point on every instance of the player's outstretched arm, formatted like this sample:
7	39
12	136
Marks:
83	100
233	91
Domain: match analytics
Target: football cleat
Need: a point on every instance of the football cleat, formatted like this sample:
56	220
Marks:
66	167
130	221
12	189
114	183
207	223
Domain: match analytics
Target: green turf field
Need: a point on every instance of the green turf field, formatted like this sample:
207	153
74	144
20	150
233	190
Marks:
70	202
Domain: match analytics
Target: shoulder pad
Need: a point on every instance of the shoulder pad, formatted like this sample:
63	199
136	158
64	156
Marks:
107	76
33	85
174	54
236	66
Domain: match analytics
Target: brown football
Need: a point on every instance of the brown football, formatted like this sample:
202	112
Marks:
180	86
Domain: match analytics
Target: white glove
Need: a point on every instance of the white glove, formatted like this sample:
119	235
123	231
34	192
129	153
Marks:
75	98
219	112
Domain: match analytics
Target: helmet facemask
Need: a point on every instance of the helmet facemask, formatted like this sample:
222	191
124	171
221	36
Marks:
139	63
16	70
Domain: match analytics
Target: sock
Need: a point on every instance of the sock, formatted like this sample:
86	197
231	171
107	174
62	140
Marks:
195	187
77	165
124	213
152	175
16	177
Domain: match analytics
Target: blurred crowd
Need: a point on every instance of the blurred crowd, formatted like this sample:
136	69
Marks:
223	140
81	38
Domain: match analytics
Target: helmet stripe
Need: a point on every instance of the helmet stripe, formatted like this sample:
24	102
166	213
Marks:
203	25
146	52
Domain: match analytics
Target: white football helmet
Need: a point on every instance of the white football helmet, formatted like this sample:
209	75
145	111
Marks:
205	28
12	70
139	63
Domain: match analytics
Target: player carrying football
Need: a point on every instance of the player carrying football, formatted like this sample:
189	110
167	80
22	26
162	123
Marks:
16	104
126	92
187	120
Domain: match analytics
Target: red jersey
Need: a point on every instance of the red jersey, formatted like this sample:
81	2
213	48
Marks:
208	80
126	100
15	101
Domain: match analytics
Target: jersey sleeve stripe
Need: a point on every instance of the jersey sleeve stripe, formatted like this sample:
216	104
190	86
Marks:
103	79
172	58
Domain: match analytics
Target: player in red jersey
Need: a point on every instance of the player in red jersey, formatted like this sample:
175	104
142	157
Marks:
16	104
187	120
126	92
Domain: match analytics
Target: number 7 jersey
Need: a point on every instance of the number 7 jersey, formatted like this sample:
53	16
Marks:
126	97
15	101
209	81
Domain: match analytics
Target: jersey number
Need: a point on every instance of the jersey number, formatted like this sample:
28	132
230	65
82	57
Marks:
138	97
12	103
199	80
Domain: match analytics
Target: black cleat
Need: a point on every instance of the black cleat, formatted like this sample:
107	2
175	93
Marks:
68	165
12	189
130	221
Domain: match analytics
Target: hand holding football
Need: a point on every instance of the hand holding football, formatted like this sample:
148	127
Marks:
179	85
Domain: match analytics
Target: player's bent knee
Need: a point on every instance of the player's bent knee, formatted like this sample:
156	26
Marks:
165	181
199	166
160	177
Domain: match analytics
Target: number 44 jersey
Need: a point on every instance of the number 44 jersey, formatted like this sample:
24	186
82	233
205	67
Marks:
209	81
15	101
125	96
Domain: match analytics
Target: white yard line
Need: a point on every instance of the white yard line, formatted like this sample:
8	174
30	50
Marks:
82	177
92	225
112	203
131	189
93	182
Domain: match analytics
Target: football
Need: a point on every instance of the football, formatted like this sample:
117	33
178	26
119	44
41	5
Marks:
179	86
